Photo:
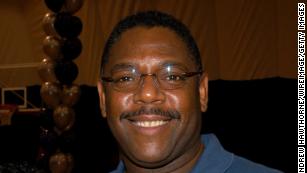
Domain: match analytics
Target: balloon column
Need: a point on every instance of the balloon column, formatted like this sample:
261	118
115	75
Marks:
58	72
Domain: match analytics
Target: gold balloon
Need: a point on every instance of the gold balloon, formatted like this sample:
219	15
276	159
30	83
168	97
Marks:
71	95
52	47
70	160
61	163
46	70
64	118
51	94
48	26
72	6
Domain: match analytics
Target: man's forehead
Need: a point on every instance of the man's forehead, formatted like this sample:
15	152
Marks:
148	44
155	37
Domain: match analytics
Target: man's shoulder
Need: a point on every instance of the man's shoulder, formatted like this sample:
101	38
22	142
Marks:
216	159
240	164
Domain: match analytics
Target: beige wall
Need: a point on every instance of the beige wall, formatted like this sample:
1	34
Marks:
238	40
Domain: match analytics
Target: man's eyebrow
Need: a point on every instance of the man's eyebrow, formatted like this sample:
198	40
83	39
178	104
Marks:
121	66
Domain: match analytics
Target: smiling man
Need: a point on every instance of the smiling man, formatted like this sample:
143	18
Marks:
153	91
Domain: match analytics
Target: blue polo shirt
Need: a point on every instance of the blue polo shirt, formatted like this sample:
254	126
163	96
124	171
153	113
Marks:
215	159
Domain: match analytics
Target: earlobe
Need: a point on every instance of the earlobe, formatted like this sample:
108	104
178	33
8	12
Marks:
203	92
101	98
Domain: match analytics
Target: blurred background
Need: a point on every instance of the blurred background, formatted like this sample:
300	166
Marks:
248	49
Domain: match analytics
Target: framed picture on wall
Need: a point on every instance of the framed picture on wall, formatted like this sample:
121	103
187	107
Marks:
14	96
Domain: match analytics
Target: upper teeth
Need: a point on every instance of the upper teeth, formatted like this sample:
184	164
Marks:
150	123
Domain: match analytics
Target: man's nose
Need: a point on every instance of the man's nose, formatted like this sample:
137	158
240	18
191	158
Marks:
149	91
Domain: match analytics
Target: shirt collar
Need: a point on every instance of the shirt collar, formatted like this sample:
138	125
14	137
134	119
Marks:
214	158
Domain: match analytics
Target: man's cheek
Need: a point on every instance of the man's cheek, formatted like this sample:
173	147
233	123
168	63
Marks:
179	100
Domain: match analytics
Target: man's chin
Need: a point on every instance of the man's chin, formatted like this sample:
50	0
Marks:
150	162
151	158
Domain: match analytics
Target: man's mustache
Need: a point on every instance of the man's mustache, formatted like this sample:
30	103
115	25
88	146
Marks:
171	113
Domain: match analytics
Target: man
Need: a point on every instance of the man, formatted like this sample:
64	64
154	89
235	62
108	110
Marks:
152	92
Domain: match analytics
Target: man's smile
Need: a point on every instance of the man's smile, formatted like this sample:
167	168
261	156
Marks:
149	124
149	120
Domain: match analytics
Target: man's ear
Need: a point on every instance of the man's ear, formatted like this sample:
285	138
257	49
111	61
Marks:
203	92
102	102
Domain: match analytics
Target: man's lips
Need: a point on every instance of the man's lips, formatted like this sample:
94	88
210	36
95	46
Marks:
149	121
149	124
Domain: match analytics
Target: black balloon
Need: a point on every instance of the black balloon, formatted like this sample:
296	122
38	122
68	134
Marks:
71	48
48	140
67	26
66	141
66	72
54	5
42	159
46	119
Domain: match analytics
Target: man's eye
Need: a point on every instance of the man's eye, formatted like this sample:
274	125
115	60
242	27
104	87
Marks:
174	78
124	79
